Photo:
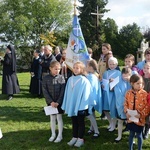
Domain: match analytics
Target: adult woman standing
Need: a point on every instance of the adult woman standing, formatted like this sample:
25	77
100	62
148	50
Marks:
10	83
103	61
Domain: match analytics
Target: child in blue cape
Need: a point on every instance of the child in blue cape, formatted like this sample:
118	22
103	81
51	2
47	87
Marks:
96	96
76	102
109	98
120	91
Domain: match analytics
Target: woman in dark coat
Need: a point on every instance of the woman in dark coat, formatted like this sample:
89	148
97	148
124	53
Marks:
10	84
36	75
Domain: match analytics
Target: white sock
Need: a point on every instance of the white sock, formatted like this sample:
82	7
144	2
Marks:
113	124
93	123
107	114
60	125
120	127
53	124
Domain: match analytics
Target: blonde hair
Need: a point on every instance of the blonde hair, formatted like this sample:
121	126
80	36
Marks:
48	47
107	45
54	63
113	59
82	67
92	63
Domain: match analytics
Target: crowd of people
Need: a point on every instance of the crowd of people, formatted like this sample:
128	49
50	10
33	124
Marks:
85	89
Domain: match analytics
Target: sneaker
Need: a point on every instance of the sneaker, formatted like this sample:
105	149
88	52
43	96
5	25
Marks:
58	139
118	139
79	142
51	139
72	141
95	136
9	98
111	129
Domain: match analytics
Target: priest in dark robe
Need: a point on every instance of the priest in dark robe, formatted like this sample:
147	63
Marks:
10	84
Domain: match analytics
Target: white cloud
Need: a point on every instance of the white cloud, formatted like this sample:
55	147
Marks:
128	11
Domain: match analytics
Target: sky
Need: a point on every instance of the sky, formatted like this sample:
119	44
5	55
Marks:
128	11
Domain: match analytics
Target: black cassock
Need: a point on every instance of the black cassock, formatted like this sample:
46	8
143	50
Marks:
35	84
10	84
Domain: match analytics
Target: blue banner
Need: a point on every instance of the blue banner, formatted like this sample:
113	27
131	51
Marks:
76	49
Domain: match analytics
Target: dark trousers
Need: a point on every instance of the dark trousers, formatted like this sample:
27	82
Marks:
139	137
78	126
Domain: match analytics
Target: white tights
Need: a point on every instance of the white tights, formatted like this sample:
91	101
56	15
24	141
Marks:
93	123
53	124
120	127
112	121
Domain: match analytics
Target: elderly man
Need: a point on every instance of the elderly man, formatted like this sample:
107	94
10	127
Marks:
46	59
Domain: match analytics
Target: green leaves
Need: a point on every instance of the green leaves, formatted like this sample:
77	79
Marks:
25	20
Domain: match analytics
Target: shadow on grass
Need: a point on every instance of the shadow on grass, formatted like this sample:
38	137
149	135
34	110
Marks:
34	114
31	139
24	95
38	140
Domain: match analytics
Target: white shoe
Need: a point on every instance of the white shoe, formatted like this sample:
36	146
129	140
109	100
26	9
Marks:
58	139
118	139
79	142
72	141
111	129
51	139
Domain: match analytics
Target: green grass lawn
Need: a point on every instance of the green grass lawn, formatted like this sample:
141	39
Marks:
25	126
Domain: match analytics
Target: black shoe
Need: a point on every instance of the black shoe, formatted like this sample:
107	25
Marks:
9	98
117	141
90	132
102	115
40	96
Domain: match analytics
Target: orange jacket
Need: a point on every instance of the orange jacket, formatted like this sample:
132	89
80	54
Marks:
141	104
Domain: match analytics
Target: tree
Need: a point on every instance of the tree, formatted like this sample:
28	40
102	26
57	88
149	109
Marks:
23	21
129	39
93	36
111	34
147	35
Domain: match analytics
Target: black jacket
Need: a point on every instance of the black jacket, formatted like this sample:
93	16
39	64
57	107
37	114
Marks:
45	62
53	88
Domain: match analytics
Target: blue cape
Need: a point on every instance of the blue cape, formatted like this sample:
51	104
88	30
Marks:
96	94
76	95
109	96
120	90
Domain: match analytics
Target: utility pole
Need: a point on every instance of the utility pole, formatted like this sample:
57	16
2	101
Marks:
98	16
